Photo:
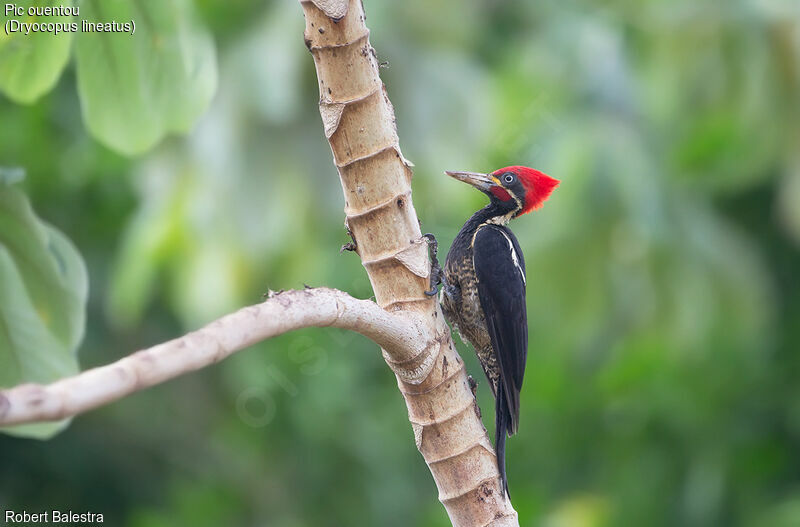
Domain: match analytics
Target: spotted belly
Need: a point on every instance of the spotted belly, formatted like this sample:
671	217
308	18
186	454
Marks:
462	309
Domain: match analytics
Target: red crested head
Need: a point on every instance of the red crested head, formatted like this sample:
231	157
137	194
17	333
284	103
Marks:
516	190
533	189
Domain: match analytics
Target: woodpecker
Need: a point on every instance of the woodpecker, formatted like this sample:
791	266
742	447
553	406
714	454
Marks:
483	287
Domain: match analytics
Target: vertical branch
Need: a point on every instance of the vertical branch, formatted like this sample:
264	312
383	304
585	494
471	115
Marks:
359	123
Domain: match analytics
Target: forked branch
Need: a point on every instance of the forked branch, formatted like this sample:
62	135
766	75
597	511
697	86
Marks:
359	124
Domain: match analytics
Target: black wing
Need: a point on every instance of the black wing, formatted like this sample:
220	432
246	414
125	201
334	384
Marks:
500	270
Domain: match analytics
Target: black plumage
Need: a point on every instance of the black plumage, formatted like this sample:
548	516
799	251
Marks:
484	285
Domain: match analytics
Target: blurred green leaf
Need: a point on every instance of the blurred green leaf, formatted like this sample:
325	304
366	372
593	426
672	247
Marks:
31	64
579	511
155	233
42	302
135	89
180	233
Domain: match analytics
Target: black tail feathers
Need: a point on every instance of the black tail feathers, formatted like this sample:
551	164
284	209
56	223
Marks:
502	421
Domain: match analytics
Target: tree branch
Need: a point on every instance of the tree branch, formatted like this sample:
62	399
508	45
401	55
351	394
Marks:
401	337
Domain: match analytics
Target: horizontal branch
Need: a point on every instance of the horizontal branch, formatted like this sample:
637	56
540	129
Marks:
399	336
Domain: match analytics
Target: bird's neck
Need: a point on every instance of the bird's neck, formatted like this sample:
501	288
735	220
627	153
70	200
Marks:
491	213
498	213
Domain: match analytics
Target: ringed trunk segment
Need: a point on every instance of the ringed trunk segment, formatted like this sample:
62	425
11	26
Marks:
376	179
359	123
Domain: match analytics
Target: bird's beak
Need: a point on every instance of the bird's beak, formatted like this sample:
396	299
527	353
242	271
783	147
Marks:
479	181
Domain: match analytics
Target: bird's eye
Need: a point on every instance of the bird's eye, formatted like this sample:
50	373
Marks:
508	178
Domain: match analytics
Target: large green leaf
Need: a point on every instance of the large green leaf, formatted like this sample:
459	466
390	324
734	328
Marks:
43	289
31	64
135	89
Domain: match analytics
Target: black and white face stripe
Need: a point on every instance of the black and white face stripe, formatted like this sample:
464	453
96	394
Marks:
514	187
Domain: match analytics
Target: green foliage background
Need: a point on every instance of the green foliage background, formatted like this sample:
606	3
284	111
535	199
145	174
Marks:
664	289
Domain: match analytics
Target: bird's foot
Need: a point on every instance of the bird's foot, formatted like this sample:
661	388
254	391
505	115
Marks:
436	270
351	245
473	385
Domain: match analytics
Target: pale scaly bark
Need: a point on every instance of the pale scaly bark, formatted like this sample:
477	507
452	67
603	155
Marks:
359	123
